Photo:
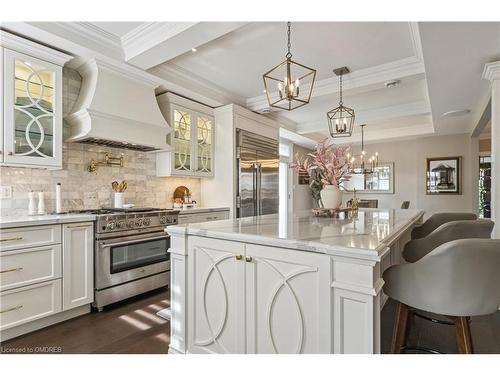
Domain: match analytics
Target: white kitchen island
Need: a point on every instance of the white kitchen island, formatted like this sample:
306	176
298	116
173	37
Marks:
299	285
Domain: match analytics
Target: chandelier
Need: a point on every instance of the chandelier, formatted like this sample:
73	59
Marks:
289	84
341	119
359	164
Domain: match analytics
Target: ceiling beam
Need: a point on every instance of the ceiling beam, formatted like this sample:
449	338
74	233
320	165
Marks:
372	115
383	135
156	42
360	81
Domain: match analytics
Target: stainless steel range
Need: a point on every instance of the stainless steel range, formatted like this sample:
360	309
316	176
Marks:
131	252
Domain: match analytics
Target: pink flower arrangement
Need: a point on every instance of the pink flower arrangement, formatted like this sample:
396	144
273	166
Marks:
328	164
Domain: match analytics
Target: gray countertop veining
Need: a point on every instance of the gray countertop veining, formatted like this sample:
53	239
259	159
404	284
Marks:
366	235
23	221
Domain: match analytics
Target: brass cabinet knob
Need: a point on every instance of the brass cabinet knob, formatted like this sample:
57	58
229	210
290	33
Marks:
248	258
239	257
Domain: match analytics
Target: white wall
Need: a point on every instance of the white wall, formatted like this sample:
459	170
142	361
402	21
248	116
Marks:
409	159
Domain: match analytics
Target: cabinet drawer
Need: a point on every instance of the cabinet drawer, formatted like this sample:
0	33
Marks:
28	266
29	303
201	218
20	238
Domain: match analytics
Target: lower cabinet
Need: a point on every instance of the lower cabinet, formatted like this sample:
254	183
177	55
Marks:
247	298
78	264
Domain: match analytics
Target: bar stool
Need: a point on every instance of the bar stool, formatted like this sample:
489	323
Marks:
453	230
439	219
458	279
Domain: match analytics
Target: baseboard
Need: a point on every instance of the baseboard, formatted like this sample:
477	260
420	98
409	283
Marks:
42	323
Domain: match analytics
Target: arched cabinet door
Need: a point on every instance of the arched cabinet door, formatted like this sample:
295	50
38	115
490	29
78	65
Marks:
32	111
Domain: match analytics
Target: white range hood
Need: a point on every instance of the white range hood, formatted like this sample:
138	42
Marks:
117	107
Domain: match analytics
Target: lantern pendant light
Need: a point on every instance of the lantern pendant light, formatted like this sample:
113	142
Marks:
360	167
289	84
341	119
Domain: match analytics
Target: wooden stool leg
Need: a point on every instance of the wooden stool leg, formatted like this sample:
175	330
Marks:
462	331
401	328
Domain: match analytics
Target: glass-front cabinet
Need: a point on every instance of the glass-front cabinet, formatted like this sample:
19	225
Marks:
191	140
32	111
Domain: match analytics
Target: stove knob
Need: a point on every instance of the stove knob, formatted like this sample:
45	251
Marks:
111	225
138	222
163	219
146	221
121	224
130	224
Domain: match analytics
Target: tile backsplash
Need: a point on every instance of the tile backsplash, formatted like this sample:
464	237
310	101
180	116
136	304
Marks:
82	189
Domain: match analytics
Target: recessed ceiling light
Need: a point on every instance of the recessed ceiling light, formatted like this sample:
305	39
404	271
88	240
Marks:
456	113
266	110
193	49
393	83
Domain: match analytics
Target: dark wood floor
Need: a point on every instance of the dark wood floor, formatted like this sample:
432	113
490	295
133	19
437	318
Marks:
133	327
130	327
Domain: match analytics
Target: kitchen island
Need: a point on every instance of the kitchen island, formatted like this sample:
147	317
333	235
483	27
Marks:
300	284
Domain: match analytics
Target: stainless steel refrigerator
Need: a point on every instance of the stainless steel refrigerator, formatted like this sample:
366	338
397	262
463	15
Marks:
257	174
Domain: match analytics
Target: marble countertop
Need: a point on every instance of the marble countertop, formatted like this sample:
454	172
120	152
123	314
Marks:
22	221
200	210
368	234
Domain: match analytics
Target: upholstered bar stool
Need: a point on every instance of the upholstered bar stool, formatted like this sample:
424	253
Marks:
453	230
458	279
439	219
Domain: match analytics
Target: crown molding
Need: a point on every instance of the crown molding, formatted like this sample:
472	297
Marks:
149	34
491	71
94	34
28	47
363	80
415	40
194	83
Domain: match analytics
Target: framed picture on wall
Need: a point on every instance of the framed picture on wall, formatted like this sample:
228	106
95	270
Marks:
443	175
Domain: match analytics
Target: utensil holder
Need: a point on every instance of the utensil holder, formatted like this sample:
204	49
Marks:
118	200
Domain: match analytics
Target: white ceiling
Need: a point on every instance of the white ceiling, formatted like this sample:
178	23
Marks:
438	64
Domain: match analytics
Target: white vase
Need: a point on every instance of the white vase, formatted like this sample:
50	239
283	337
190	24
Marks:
331	196
118	200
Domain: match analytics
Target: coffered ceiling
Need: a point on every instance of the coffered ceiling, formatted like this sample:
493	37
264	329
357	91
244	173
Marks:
438	66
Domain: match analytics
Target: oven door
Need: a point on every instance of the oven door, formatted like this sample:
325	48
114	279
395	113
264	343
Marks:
124	259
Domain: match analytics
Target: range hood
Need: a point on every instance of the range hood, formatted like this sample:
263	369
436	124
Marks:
117	107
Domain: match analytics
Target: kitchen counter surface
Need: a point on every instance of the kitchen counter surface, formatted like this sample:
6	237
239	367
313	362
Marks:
200	210
367	235
23	221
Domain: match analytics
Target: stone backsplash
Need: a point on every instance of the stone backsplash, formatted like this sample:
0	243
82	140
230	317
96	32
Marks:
82	189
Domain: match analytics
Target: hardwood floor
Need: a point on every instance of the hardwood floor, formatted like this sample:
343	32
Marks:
132	327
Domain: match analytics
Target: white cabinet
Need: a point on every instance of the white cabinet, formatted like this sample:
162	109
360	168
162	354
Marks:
246	298
32	103
78	264
186	218
216	297
191	140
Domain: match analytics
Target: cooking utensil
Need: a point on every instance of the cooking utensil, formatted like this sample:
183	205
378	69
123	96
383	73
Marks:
114	186
123	186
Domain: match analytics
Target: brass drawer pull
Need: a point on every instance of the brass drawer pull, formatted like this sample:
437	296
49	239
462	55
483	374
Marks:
239	257
79	226
12	270
248	258
11	239
11	309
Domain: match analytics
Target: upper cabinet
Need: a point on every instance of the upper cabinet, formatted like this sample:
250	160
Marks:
32	104
191	140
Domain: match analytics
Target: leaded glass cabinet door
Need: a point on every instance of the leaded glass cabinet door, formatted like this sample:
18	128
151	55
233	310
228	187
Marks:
204	145
33	111
182	143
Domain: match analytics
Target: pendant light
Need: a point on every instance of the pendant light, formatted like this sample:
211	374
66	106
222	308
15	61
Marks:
289	84
341	119
358	164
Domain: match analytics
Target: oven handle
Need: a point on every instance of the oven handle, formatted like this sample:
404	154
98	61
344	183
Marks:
134	241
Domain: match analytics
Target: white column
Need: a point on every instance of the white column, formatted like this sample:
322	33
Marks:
492	73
